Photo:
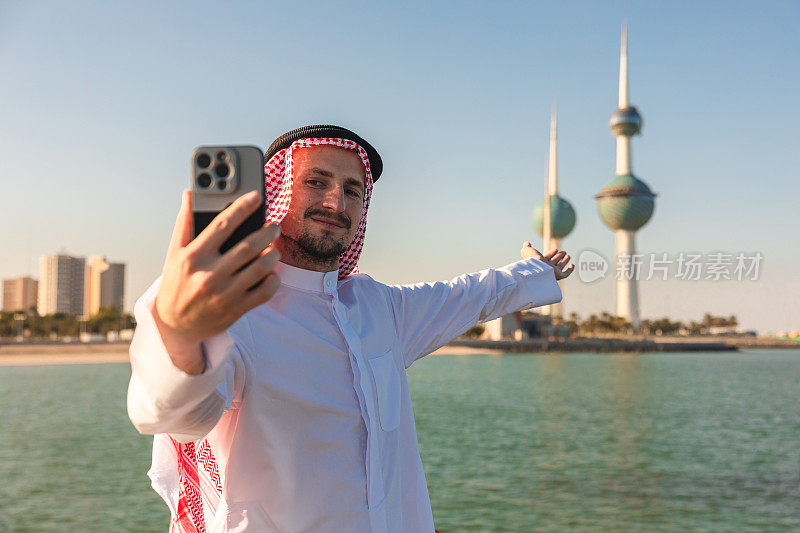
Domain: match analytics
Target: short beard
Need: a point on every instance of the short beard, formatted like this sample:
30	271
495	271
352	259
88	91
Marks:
320	251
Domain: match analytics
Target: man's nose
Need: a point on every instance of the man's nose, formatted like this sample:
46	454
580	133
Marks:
334	199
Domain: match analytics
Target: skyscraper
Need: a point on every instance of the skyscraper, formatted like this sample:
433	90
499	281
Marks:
626	203
105	283
555	218
19	294
61	284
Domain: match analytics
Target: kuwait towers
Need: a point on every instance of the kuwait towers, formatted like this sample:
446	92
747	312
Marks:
626	203
554	217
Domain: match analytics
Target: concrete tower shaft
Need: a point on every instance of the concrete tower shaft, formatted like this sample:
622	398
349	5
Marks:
626	203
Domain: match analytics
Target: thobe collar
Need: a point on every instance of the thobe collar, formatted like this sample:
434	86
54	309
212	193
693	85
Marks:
307	280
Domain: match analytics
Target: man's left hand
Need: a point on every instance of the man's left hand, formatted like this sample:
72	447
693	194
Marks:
558	259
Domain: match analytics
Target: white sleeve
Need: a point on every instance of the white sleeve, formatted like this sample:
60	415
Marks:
163	398
429	315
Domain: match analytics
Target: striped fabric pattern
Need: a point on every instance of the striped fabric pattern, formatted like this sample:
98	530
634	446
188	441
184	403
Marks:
200	486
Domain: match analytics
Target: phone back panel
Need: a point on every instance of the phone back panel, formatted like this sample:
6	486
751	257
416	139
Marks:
221	174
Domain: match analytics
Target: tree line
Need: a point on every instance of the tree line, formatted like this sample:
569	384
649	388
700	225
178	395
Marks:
36	326
606	323
109	318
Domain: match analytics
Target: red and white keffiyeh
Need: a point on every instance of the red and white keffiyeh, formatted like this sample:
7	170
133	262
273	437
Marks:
279	174
198	474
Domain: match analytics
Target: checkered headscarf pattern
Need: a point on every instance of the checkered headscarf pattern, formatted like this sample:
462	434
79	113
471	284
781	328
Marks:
278	179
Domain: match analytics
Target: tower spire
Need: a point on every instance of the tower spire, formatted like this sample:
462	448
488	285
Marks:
547	228
626	203
553	169
623	67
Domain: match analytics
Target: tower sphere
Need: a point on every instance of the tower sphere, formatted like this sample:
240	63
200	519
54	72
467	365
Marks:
625	203
625	121
562	217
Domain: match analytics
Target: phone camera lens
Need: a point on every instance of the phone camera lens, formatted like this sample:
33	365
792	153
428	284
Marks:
221	156
222	170
221	185
204	180
203	160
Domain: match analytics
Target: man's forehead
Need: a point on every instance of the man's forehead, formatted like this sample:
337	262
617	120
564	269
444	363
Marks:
334	159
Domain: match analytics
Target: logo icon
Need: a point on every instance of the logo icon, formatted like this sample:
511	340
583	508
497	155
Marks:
591	266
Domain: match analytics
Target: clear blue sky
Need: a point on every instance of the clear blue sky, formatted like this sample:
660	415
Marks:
101	104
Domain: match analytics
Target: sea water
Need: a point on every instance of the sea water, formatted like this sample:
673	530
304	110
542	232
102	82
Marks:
522	442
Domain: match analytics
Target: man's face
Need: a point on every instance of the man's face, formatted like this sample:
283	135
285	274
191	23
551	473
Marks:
327	201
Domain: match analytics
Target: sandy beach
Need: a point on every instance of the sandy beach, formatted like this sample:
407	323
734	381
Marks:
466	350
76	354
62	354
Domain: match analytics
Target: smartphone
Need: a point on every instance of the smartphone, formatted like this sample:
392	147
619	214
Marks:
221	174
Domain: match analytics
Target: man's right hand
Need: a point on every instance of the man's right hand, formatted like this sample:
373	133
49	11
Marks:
203	292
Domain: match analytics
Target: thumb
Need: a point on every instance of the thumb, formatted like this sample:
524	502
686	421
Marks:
182	233
529	251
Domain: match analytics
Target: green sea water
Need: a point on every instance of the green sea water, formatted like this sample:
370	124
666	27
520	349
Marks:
562	442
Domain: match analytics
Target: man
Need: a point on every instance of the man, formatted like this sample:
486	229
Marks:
287	408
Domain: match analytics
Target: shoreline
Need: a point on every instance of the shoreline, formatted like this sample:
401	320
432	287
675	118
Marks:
52	353
627	344
34	354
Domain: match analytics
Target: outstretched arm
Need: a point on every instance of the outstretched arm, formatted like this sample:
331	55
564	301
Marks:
429	315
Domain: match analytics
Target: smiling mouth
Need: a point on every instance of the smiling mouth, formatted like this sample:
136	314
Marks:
328	223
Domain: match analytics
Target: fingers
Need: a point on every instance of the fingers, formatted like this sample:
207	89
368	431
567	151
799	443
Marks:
560	261
246	249
556	257
260	294
564	261
549	255
225	223
182	232
259	269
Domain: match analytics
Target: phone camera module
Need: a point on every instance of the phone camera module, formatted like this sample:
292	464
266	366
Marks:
203	160
221	156
221	185
222	170
204	180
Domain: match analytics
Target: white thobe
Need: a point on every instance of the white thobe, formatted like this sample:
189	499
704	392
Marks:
305	399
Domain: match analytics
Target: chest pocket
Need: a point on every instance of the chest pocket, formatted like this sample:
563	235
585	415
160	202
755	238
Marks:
387	387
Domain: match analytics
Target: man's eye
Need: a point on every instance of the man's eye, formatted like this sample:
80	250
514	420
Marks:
354	193
314	183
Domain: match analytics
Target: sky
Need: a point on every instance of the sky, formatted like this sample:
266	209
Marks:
102	103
